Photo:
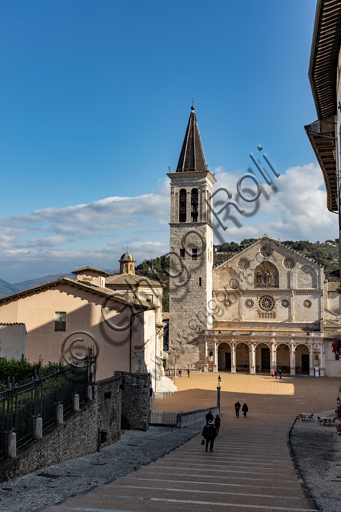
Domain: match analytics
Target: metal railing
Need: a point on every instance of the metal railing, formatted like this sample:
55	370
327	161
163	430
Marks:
21	402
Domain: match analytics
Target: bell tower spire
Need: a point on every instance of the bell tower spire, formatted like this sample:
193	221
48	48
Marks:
191	248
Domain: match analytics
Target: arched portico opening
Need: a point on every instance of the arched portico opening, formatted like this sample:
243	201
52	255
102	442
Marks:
283	358
242	358
302	360
224	357
263	358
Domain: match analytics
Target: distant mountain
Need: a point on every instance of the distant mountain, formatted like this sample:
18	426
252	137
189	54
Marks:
7	288
24	285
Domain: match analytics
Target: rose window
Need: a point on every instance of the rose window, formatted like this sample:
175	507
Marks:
267	303
289	263
249	303
307	303
285	303
266	250
243	263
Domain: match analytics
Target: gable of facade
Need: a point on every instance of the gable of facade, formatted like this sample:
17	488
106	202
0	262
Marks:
269	282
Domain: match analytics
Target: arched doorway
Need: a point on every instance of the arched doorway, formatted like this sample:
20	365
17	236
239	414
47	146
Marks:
263	358
283	358
302	360
242	358
224	357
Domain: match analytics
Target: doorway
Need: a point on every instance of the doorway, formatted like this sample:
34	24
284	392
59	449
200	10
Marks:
305	363
224	357
265	358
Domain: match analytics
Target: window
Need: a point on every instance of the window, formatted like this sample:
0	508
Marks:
60	321
182	254
131	268
194	205
182	206
199	281
194	254
149	298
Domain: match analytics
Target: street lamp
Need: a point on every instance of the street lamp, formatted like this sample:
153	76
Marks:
338	401
218	392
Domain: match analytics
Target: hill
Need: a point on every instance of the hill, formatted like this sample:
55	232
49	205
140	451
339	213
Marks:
7	288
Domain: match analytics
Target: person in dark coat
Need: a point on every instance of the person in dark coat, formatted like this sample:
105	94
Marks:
188	372
217	423
209	417
180	372
245	409
209	433
280	373
237	406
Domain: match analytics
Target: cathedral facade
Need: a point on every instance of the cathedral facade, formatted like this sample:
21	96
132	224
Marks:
265	308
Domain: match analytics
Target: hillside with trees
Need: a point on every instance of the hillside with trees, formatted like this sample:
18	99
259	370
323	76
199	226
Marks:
324	253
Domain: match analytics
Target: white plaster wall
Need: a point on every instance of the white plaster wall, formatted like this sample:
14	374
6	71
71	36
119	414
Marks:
13	341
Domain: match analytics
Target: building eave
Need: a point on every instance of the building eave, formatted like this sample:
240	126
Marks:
321	135
324	56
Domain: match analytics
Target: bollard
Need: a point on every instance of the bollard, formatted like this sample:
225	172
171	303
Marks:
75	402
59	414
94	391
89	392
37	428
12	445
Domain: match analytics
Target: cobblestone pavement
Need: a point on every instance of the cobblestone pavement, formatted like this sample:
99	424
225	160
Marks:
250	469
264	394
314	449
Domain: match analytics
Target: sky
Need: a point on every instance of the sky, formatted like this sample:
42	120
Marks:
94	102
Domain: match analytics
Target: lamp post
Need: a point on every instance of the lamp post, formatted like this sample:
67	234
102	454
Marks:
338	401
218	392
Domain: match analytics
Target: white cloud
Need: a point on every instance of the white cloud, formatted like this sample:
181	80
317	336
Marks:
60	239
296	211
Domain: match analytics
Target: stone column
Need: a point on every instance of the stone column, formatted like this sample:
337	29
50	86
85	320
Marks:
233	358
322	363
292	360
253	359
311	360
273	355
37	428
215	368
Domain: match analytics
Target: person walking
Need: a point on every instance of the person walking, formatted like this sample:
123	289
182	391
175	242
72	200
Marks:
217	423
209	434
188	373
245	409
237	406
209	417
180	372
280	373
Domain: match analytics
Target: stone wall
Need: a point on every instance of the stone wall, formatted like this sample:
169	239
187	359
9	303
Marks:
78	435
135	400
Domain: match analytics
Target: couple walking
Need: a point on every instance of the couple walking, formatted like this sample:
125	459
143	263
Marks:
237	406
210	430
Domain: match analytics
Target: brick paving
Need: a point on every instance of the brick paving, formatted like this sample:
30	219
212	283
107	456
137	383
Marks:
264	394
250	468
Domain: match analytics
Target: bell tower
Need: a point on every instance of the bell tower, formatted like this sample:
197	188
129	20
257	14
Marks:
191	251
